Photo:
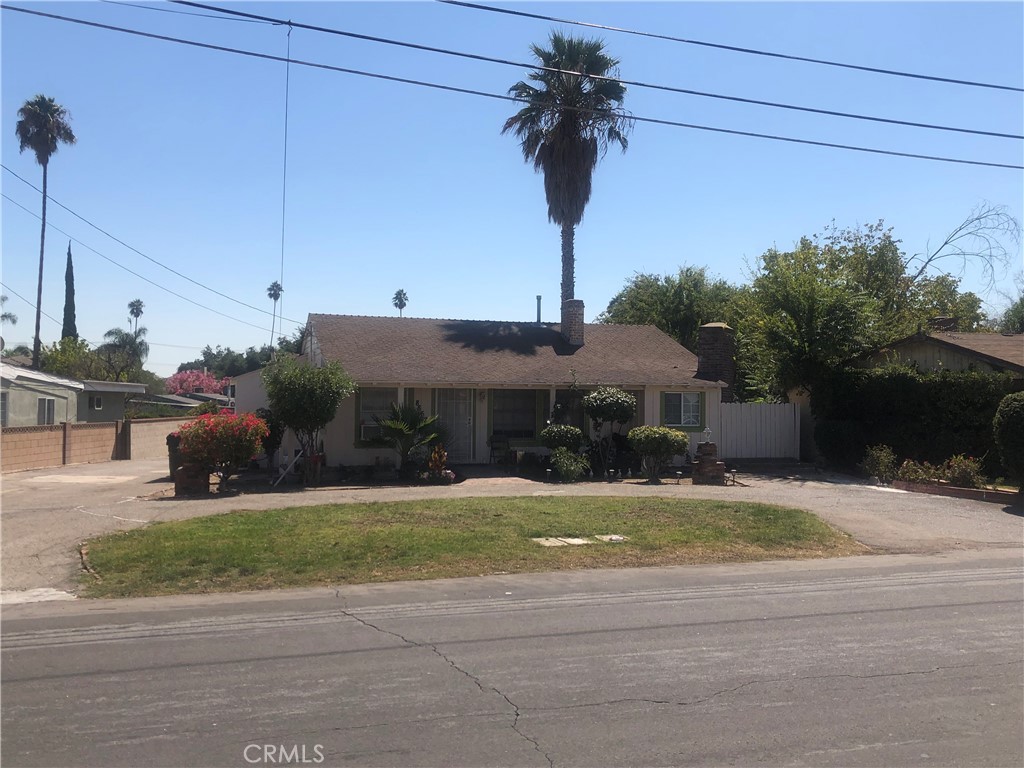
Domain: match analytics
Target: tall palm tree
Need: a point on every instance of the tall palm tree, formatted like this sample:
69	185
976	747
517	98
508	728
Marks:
42	127
135	311
7	317
400	300
274	291
566	126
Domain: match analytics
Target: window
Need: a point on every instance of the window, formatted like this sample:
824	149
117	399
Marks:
45	410
514	413
95	402
3	409
374	402
682	409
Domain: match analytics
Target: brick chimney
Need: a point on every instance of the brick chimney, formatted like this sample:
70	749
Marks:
572	321
716	356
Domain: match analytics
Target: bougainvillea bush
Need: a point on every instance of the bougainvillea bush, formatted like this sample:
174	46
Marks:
223	442
187	382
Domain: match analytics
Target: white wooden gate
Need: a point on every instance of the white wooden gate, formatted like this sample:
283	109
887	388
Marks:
759	431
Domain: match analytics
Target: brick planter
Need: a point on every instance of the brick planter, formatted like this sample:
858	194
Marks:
977	494
190	480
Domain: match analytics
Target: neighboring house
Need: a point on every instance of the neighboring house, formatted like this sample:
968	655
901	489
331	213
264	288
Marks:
954	351
486	379
31	398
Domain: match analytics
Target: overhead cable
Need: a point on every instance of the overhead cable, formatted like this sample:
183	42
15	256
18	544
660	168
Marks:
735	48
502	97
636	83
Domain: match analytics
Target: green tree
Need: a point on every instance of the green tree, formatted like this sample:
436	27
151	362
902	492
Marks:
940	296
400	300
608	406
135	307
1012	320
124	352
69	329
802	319
571	116
306	399
43	125
657	445
274	291
74	359
677	304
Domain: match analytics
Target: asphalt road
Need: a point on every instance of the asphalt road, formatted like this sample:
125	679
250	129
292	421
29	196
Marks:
893	660
46	513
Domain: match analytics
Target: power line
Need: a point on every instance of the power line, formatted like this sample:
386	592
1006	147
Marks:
737	49
126	269
182	13
136	250
33	306
637	83
502	97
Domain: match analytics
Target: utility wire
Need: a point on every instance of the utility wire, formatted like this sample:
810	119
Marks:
182	13
284	176
636	83
33	306
126	269
737	49
136	250
501	97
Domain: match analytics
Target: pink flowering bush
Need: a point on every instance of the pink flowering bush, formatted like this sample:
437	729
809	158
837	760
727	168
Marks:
186	382
222	442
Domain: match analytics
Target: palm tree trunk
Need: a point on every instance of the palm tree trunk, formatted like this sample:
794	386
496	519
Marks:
39	290
568	263
273	322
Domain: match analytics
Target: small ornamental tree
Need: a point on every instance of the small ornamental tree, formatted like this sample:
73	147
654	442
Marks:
222	442
187	382
404	430
562	436
608	406
1008	426
306	399
657	446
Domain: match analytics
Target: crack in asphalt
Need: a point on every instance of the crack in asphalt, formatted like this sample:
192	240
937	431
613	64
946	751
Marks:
724	691
517	712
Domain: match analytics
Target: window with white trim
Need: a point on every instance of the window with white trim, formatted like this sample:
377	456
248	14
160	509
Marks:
95	402
682	409
374	401
45	409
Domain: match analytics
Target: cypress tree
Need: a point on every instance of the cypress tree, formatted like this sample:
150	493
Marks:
69	329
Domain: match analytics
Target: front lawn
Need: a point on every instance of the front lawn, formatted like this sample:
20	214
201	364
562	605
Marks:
355	543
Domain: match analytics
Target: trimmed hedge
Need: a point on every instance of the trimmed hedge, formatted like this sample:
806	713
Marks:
1008	428
921	416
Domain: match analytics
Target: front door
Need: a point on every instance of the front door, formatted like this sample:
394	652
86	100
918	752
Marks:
455	411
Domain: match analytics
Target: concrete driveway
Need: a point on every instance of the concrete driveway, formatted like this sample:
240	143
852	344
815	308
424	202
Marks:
45	514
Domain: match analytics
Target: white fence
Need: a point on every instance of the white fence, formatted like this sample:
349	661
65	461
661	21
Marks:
760	431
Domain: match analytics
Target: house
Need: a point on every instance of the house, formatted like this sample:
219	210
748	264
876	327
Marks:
955	351
485	378
29	397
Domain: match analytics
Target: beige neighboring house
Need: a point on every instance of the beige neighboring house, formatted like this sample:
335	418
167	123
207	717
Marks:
31	398
486	379
955	351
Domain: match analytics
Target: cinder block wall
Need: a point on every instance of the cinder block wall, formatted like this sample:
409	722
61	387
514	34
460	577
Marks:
31	447
92	442
149	436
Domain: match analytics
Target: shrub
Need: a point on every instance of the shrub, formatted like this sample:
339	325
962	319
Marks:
657	446
880	461
569	465
1008	431
405	430
562	436
840	442
962	471
222	442
611	406
275	432
437	467
918	472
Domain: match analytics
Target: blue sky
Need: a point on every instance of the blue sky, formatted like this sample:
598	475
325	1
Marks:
180	154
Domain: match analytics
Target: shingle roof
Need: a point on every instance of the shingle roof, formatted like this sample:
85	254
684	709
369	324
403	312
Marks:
427	351
1005	350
